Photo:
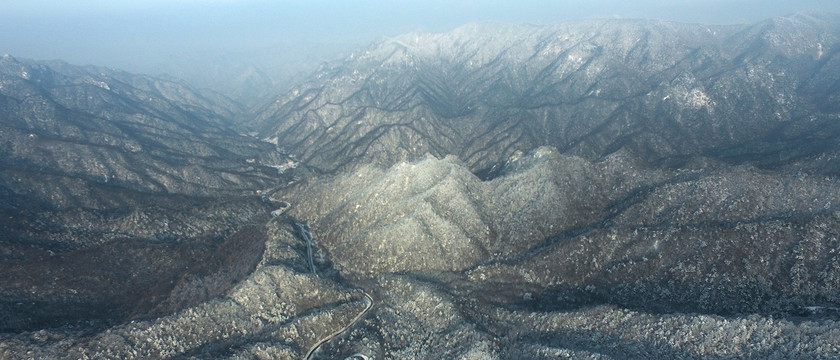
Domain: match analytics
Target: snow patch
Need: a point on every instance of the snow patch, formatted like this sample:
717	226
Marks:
698	99
102	84
284	166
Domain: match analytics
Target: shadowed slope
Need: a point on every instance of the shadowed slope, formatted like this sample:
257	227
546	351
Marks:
114	185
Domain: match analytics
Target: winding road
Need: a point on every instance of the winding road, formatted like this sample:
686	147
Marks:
369	305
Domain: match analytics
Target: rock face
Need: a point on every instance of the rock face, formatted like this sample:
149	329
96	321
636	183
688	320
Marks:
600	189
763	94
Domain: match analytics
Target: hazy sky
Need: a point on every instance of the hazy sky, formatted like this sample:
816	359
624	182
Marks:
134	34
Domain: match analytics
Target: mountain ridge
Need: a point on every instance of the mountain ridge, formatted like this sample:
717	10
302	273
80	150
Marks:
113	185
395	100
601	188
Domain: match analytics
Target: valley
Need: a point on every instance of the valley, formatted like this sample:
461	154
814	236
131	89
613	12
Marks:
592	189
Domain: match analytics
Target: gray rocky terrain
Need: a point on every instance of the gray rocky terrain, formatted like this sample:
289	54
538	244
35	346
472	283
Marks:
601	189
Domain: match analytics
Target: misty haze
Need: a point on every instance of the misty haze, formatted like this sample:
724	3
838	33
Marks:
406	180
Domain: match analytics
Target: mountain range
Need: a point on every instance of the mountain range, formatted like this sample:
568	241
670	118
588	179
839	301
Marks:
594	189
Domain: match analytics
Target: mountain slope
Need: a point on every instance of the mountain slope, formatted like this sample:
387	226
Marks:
664	91
725	240
112	185
598	189
125	130
635	276
88	152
